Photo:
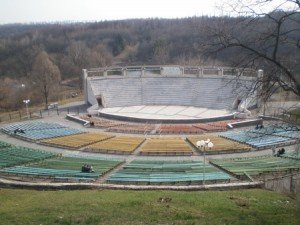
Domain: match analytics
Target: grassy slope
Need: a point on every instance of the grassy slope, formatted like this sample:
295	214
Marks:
142	207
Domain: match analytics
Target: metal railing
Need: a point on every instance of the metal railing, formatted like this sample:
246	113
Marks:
173	70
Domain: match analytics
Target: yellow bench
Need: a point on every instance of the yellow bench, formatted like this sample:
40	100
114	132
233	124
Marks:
121	144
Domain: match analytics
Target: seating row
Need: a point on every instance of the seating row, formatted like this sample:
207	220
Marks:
64	168
127	127
36	125
279	130
132	128
221	145
12	155
161	172
178	128
37	130
35	135
77	141
119	145
101	122
4	144
256	165
257	140
292	155
166	146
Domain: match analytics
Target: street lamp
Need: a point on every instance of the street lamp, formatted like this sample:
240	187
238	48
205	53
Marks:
201	145
27	101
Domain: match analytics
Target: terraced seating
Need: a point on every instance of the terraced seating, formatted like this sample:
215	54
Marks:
4	144
65	168
221	145
256	165
289	134
133	128
29	126
34	131
256	140
77	141
120	127
178	129
117	145
279	130
35	135
292	155
210	127
12	155
101	122
222	124
167	172
165	146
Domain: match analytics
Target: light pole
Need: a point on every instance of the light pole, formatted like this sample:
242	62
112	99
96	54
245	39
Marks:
201	145
27	101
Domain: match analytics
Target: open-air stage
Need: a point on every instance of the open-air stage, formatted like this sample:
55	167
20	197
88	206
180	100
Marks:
165	113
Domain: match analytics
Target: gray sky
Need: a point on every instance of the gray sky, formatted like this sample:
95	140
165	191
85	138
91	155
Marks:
25	11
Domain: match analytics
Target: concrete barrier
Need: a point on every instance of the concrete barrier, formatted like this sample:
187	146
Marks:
77	119
4	183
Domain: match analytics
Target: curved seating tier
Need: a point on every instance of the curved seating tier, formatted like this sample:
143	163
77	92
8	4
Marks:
29	126
178	129
140	128
279	130
117	145
257	140
4	144
166	146
101	122
256	165
221	145
78	140
132	128
214	126
35	135
65	168
161	172
11	155
292	155
34	131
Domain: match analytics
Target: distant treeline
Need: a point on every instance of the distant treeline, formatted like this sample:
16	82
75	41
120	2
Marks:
73	46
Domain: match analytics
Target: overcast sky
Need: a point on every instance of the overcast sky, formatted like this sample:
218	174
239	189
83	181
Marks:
27	11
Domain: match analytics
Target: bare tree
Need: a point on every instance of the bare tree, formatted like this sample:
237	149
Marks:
45	75
259	34
79	54
161	51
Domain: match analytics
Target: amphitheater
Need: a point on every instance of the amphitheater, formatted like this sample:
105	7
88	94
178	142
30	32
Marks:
141	130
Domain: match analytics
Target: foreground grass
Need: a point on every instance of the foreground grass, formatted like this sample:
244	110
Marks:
143	207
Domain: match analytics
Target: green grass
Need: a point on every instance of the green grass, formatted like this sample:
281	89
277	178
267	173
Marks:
143	207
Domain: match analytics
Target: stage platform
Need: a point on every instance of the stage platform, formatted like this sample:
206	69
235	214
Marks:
165	114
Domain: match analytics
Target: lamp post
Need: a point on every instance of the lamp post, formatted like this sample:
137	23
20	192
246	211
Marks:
201	145
27	101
